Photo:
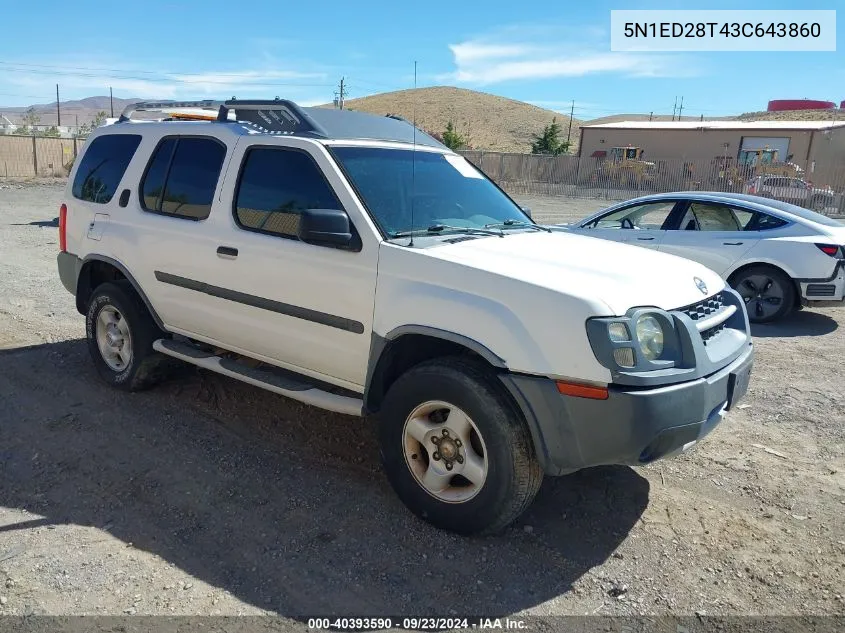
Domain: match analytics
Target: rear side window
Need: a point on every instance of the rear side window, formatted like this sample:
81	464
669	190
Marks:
102	167
276	185
764	222
182	177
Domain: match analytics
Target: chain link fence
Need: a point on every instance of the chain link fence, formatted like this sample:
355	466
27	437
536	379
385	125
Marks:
820	187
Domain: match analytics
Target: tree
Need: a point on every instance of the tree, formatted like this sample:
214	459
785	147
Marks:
52	131
549	141
98	119
86	128
31	118
452	139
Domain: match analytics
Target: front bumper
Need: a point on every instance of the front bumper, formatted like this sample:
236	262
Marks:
633	426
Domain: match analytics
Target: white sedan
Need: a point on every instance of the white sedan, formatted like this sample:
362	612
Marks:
776	255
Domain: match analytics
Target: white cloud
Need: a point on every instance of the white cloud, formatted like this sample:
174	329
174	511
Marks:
478	52
86	79
510	55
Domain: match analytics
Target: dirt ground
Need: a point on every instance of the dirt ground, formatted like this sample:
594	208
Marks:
208	496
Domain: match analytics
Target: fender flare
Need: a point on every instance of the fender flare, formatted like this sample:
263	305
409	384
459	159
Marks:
125	272
482	350
380	344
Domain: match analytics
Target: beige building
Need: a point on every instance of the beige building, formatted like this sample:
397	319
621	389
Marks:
818	147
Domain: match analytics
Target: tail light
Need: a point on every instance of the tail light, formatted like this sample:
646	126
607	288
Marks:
829	249
63	228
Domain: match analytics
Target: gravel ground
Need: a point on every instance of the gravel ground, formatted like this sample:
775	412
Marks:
208	496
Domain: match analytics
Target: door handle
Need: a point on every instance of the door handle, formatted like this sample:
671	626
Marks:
732	243
645	239
227	252
124	197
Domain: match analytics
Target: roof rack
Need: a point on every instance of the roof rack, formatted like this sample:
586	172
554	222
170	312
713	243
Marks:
276	116
284	117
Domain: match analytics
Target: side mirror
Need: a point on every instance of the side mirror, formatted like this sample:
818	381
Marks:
325	227
526	211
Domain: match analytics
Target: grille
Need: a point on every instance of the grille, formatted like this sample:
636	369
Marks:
821	290
704	309
713	332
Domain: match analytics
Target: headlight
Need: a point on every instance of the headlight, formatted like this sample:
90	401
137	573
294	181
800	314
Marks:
650	336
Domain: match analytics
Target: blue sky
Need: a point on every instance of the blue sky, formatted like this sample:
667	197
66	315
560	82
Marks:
543	52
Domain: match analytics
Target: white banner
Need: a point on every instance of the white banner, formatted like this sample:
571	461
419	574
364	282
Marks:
734	30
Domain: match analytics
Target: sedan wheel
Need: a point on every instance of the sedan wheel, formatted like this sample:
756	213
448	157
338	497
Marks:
818	204
767	292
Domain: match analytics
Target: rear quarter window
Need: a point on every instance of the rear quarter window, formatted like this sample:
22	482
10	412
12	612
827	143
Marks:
102	167
765	222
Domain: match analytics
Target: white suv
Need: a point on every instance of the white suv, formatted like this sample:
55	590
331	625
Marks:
353	263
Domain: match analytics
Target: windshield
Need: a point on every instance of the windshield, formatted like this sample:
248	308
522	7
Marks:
444	189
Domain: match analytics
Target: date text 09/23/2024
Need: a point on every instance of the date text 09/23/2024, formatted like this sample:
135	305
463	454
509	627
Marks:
415	623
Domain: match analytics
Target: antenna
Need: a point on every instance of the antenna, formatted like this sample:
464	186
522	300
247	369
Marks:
414	156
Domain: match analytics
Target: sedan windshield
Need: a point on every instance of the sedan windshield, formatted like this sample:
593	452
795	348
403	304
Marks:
444	190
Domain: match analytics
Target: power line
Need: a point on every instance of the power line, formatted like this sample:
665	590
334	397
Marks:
121	70
246	80
378	84
11	94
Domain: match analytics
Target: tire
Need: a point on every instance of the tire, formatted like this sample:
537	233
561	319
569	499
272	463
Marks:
818	203
760	286
511	473
142	367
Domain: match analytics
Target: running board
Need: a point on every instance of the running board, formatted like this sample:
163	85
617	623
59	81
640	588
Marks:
278	382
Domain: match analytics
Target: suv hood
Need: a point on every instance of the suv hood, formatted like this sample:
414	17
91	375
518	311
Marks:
620	275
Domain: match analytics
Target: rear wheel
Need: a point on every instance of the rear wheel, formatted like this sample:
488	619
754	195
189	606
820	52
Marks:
454	448
120	333
768	293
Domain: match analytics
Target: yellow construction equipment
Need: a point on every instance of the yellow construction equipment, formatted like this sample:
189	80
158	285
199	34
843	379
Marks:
624	166
764	161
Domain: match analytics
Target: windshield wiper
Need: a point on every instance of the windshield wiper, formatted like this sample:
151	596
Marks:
438	228
519	224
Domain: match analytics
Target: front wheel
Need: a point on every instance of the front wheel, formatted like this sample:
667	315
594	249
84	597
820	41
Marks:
455	449
768	293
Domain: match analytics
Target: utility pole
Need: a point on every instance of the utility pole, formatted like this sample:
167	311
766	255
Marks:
674	108
569	132
111	102
681	109
58	108
341	95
